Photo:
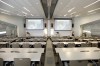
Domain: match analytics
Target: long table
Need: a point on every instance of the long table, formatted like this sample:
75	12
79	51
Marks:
55	43
22	50
80	49
89	39
61	40
78	53
11	56
31	43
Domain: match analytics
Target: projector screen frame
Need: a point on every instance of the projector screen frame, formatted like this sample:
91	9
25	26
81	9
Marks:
36	19
62	19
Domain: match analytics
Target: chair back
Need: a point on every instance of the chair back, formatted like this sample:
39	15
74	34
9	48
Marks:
60	45
15	45
26	45
37	45
1	62
71	44
22	62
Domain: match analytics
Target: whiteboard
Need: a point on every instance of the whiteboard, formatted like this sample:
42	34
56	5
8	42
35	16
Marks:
34	24
63	24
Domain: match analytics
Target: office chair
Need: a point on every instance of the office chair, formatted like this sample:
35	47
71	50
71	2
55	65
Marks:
98	63
9	63
71	45
26	45
15	45
90	64
60	45
85	45
37	45
94	44
1	62
78	63
22	62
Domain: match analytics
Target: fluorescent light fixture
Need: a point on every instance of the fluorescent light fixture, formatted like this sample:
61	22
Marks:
32	15
65	15
26	9
19	15
94	10
92	4
3	10
71	9
5	13
6	4
77	15
72	13
3	32
24	12
91	13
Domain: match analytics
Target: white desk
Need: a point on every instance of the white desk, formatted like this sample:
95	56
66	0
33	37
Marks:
22	50
94	42
3	42
79	49
11	56
9	39
87	39
55	43
55	40
35	40
98	39
73	54
31	43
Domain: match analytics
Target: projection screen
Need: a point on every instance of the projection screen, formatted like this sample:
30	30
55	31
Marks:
34	24
63	24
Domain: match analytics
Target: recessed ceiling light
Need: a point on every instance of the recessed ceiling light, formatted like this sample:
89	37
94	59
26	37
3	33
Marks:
71	9
4	10
92	4
26	9
94	10
7	4
5	13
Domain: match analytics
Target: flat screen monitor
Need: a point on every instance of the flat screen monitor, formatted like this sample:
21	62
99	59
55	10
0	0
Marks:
34	24
63	25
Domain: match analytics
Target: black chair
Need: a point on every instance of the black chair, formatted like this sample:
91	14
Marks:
78	63
71	45
1	62
60	45
94	44
37	45
15	45
26	45
22	62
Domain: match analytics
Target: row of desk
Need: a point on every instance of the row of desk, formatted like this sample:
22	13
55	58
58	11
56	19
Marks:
43	43
8	54
86	53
